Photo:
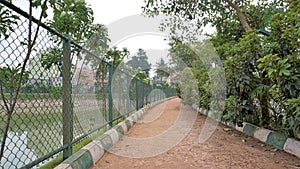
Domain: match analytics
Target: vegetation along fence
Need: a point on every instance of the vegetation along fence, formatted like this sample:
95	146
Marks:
56	95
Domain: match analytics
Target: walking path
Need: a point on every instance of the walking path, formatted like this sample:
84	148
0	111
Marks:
167	137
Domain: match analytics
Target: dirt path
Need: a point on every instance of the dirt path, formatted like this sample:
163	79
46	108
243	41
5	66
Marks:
152	143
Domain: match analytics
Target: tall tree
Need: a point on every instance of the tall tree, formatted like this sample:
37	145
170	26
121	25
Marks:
139	61
202	11
162	69
76	19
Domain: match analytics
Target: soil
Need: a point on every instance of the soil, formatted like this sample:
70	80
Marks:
225	148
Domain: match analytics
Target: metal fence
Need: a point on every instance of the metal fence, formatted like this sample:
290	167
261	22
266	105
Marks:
59	104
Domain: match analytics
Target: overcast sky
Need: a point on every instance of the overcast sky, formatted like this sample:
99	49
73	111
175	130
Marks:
112	11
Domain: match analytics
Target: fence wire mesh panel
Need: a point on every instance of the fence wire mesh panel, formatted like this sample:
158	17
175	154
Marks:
59	95
35	116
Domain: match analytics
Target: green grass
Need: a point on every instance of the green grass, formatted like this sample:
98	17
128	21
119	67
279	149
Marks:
29	120
76	147
33	96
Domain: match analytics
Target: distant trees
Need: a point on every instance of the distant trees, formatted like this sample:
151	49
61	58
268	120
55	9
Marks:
139	61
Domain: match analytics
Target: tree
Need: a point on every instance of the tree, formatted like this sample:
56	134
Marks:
139	61
224	15
162	69
73	17
262	72
76	19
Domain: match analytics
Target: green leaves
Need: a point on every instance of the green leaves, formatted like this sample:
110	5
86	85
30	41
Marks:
10	77
275	66
73	17
7	21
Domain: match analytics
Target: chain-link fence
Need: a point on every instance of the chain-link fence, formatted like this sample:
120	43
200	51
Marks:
60	96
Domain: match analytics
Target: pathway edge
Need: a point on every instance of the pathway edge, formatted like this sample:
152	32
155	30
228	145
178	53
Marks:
276	139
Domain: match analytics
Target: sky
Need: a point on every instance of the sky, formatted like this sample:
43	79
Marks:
112	11
125	28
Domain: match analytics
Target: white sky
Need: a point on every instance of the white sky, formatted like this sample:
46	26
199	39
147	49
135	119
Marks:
109	12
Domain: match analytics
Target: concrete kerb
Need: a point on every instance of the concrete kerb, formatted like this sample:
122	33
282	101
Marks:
92	152
275	139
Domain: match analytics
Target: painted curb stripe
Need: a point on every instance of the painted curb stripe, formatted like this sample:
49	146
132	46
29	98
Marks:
64	166
277	139
292	146
95	150
113	135
106	141
124	126
128	124
120	131
82	159
249	129
262	134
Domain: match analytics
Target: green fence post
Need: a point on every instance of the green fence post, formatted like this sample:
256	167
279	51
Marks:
136	94
143	94
147	93
67	100
110	100
128	99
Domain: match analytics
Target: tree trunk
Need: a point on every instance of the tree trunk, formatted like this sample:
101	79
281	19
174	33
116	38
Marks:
240	14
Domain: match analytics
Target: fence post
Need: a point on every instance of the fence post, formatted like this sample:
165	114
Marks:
67	100
128	108
136	94
147	93
143	94
110	100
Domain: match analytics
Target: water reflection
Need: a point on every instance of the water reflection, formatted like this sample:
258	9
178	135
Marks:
17	153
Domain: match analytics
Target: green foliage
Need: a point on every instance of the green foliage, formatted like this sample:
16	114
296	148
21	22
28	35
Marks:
139	61
51	57
188	88
162	69
73	17
203	83
7	21
262	72
9	78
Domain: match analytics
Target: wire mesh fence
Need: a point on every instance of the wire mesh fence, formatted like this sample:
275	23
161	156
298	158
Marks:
60	96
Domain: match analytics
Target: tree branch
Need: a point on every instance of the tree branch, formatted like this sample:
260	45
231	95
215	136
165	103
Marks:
3	97
240	15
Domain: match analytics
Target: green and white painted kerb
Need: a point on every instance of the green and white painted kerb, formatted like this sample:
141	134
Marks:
273	138
91	153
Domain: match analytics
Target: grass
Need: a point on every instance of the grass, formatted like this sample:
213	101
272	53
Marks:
33	96
76	147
